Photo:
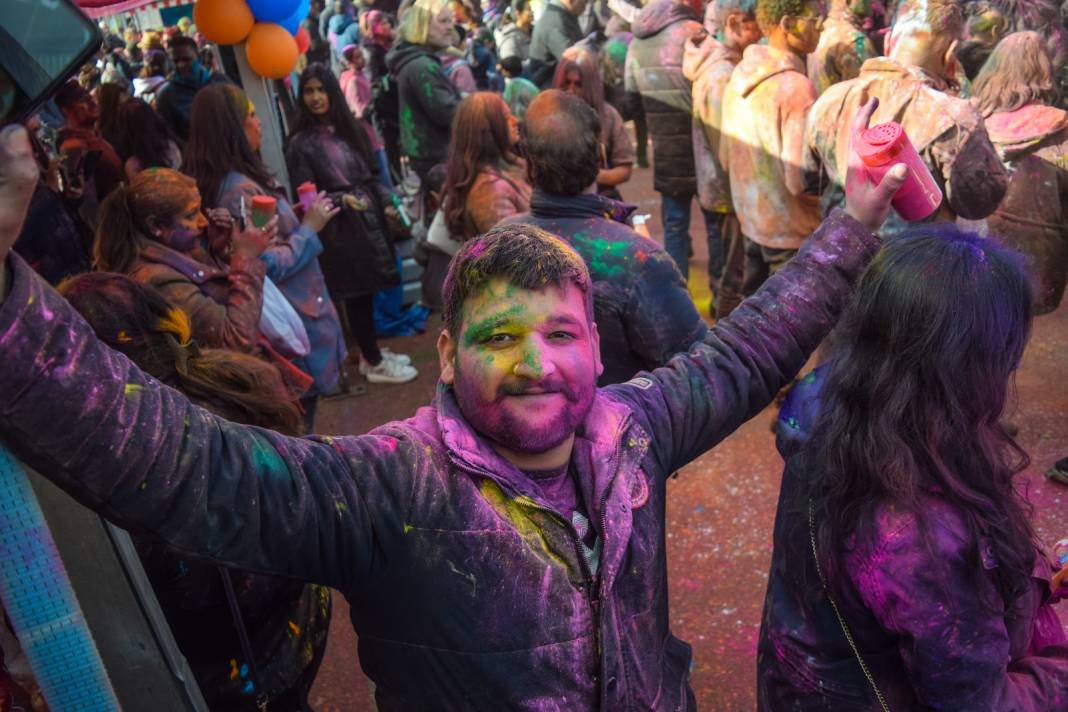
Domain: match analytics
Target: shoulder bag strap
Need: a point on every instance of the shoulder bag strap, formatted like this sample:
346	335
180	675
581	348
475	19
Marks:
242	634
838	614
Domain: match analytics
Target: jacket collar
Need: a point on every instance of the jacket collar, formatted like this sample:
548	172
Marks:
888	66
196	271
600	434
587	205
608	453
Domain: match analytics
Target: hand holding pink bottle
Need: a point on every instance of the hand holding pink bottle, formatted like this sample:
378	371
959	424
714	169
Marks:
882	147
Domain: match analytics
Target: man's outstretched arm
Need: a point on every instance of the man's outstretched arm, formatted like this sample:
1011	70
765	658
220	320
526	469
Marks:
702	396
138	452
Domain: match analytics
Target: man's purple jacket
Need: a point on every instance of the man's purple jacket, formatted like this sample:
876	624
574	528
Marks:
467	591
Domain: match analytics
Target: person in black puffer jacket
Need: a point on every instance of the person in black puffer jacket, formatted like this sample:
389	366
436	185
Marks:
654	71
427	98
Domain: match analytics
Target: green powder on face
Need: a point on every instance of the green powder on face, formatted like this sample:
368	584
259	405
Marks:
483	328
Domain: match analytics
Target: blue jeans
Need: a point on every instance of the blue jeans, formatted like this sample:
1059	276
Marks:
675	215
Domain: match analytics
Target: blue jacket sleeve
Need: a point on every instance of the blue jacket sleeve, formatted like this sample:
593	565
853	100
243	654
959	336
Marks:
702	396
141	455
291	256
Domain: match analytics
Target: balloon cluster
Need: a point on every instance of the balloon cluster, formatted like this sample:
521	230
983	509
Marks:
271	30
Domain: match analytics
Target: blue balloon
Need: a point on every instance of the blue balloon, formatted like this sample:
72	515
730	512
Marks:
273	10
292	23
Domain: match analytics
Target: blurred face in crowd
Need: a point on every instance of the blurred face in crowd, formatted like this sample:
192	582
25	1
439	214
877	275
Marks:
83	113
525	365
573	83
860	8
357	61
803	32
183	57
741	30
439	34
252	127
315	97
575	7
525	17
181	232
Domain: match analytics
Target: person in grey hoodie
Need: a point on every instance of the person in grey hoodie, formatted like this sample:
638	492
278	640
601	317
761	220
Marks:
654	70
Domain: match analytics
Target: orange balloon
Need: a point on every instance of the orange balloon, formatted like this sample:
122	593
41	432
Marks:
223	22
272	52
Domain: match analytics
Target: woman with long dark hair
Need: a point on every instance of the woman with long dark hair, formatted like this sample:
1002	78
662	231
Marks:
144	140
906	573
579	74
331	149
486	179
286	621
223	156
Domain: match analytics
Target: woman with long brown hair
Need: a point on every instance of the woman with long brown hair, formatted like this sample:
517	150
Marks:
1016	94
486	180
579	74
286	621
223	156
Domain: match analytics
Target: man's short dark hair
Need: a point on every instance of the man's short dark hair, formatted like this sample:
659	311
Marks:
563	141
525	256
512	66
183	41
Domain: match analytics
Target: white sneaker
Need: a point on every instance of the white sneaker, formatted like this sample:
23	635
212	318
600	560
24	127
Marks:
388	372
398	359
403	359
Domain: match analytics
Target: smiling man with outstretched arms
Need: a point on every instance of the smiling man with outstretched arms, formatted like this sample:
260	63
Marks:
504	547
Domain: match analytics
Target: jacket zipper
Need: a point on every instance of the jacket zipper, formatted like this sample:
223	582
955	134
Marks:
593	585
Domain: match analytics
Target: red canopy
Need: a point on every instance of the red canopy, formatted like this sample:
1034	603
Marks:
101	8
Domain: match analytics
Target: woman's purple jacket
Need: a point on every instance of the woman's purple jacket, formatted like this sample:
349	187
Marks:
932	636
466	590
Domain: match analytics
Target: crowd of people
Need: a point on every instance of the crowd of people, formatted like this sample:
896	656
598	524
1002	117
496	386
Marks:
504	548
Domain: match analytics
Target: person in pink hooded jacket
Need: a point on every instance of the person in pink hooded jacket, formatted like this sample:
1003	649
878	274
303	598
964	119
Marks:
1015	94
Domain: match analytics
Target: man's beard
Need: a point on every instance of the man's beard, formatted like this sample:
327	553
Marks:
504	428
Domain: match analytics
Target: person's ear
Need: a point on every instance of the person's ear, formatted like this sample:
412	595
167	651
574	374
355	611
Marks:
950	61
447	357
153	224
733	24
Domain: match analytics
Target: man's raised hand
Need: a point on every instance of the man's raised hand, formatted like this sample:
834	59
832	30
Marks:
866	202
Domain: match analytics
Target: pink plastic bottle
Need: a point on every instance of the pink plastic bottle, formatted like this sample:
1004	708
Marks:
884	146
306	193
